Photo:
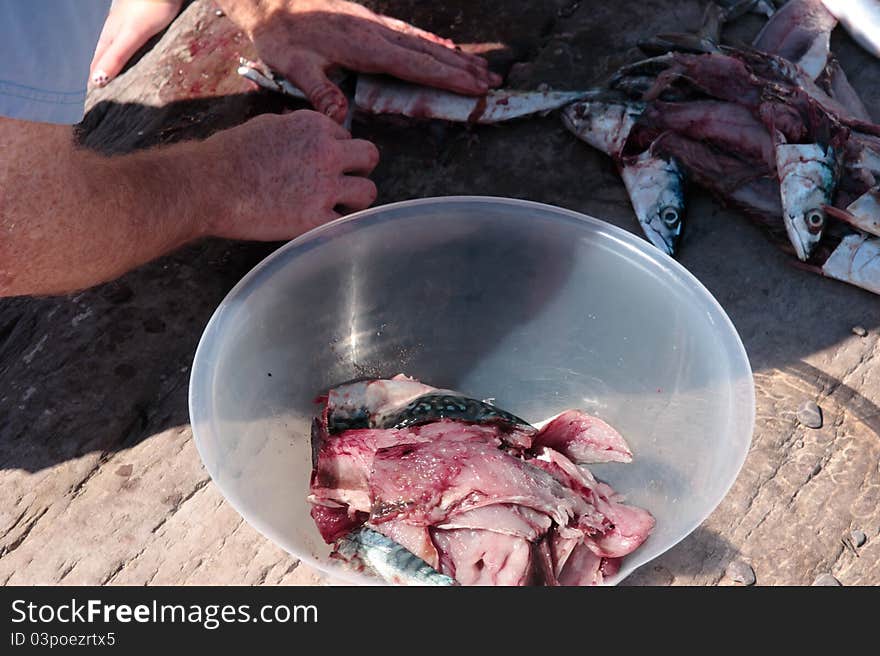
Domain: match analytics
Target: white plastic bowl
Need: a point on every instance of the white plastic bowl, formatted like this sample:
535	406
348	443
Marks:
540	308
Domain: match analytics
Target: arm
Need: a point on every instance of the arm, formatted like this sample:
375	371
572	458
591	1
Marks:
302	39
70	218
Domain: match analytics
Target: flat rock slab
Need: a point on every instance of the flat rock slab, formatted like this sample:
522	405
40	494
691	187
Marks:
100	481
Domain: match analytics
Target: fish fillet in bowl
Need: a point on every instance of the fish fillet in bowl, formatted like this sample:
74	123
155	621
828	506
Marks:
538	308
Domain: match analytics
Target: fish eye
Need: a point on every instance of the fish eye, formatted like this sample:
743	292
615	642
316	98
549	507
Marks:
669	216
815	220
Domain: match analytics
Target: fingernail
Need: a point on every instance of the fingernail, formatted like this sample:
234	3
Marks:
331	110
100	78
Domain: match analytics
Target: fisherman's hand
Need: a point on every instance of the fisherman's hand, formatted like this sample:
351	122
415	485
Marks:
281	175
130	24
303	39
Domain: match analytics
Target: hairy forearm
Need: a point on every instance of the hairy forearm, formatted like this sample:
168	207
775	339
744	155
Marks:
70	218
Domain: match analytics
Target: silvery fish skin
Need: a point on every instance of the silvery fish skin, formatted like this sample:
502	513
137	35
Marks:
438	406
604	125
388	560
856	261
807	179
801	33
863	213
368	403
656	189
861	18
377	95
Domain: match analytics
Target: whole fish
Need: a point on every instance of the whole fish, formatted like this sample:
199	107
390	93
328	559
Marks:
378	95
861	18
807	179
383	557
656	189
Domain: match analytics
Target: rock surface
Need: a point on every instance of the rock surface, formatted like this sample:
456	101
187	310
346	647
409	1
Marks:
99	477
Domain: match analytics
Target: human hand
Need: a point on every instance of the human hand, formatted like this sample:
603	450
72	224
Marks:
280	175
129	25
303	39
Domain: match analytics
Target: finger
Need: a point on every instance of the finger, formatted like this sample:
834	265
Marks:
442	52
323	123
356	193
314	220
325	96
108	33
359	156
117	55
476	66
425	69
129	38
406	28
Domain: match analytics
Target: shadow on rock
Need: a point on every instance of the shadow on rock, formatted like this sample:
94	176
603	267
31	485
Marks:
703	553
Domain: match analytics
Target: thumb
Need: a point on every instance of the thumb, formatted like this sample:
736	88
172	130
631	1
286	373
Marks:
325	96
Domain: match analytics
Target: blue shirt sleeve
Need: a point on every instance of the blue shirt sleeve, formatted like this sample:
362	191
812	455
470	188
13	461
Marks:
46	47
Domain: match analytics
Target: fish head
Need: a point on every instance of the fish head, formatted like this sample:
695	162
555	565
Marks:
665	224
656	190
603	125
807	179
805	230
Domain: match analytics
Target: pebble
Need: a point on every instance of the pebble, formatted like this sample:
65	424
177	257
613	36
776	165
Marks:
219	13
826	579
741	572
858	537
860	331
810	415
124	470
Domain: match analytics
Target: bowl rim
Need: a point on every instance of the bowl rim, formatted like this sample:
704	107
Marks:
629	239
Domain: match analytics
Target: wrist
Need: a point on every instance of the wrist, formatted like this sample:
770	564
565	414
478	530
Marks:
250	15
203	179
